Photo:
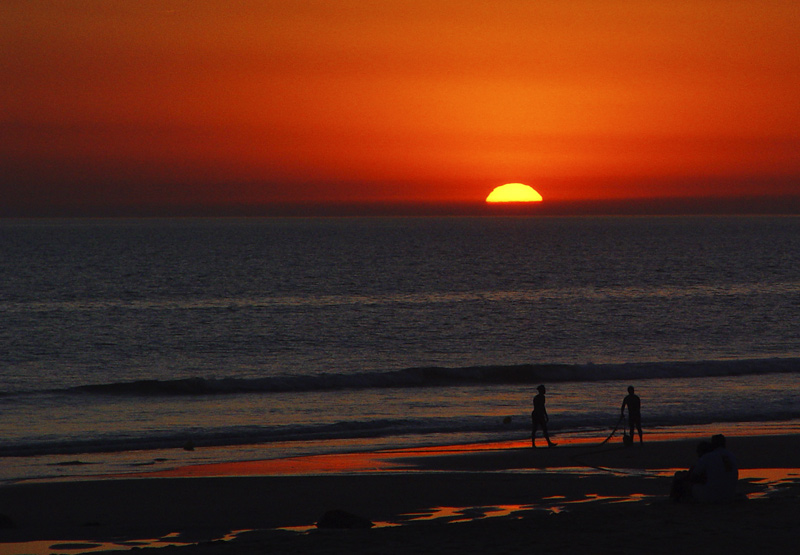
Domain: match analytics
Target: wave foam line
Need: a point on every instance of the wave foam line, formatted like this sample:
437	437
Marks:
444	377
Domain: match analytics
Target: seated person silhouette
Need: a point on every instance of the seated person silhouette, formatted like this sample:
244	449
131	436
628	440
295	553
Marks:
716	474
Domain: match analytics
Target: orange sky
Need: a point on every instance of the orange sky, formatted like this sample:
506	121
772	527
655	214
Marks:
202	102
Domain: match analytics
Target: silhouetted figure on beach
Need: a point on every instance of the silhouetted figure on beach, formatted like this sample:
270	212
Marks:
634	405
712	479
716	474
539	418
682	480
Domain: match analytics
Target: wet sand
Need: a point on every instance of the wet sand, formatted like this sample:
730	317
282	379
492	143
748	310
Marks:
508	498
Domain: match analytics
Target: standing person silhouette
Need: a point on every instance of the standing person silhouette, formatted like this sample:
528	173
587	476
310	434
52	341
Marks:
539	418
634	405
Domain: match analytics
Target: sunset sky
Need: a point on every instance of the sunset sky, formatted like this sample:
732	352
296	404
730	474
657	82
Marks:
235	103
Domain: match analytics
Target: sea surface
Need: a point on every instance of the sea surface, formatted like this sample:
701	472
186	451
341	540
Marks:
125	342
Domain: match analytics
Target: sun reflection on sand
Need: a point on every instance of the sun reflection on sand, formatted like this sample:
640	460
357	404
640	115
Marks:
47	547
575	468
466	514
769	480
774	479
553	505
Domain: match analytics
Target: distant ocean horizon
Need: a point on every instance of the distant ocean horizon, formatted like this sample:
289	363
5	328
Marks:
126	339
754	204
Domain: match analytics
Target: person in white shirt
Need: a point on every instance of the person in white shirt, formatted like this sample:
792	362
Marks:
716	474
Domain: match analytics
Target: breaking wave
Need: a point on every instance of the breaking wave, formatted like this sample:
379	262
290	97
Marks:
445	377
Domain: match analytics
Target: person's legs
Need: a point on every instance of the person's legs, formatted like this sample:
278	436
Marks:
638	422
546	435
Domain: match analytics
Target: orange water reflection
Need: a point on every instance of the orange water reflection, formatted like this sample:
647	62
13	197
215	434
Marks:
392	459
340	463
47	547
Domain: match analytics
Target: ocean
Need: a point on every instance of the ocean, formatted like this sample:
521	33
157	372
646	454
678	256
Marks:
124	341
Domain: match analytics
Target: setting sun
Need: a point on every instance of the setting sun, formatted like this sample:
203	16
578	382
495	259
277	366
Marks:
514	192
171	107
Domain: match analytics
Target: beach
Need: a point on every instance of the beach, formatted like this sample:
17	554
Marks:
300	277
221	385
575	498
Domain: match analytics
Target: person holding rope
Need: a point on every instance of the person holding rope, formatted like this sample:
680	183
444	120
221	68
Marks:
539	418
634	405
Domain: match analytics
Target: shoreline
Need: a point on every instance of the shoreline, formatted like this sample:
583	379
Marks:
407	488
666	453
318	456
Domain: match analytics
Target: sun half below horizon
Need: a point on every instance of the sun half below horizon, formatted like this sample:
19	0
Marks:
514	192
174	107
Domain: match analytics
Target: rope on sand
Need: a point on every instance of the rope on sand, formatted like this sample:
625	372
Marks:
580	458
613	431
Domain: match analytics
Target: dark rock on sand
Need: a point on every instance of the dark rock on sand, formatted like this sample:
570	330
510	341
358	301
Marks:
6	523
342	519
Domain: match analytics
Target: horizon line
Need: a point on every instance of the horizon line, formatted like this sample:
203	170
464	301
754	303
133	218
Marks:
647	206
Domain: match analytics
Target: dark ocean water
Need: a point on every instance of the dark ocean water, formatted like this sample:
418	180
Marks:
122	340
